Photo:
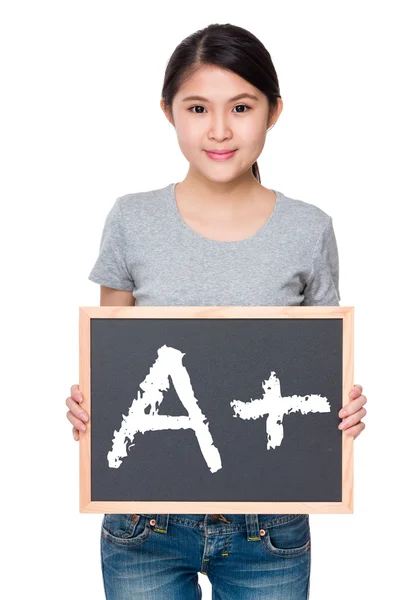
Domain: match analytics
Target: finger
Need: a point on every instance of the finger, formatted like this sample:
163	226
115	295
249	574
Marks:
356	390
353	406
76	410
353	419
354	431
75	393
75	434
76	422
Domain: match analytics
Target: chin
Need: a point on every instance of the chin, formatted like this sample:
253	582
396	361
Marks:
225	178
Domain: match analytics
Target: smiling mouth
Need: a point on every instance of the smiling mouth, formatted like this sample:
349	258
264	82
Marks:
220	155
220	151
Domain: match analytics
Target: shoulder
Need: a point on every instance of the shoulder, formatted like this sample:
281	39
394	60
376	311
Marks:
146	202
305	228
307	222
303	211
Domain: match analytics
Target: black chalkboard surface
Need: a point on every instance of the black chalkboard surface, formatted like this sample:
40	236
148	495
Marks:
197	408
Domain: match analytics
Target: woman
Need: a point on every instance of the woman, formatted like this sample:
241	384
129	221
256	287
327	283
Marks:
217	238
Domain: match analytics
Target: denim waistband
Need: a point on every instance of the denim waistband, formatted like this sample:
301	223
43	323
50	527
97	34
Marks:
237	522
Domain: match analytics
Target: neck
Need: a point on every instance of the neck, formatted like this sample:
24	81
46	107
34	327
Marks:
215	195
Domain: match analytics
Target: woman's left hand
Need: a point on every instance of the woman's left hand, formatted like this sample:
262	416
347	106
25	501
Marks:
353	412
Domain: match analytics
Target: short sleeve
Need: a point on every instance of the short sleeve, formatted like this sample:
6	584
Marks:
110	268
322	285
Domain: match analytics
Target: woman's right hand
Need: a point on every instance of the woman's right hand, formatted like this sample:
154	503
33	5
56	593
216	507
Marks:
76	415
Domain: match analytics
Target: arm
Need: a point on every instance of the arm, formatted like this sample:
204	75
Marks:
322	285
112	297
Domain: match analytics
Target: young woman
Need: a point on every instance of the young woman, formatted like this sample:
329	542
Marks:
216	238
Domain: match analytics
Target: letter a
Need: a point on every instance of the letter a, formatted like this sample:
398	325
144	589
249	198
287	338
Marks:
169	362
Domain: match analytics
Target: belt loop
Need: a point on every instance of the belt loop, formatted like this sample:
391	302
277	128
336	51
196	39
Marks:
253	528
161	524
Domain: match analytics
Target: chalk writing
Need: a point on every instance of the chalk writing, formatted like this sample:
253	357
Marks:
143	413
275	406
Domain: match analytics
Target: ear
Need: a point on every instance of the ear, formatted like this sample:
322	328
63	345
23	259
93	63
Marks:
276	113
166	111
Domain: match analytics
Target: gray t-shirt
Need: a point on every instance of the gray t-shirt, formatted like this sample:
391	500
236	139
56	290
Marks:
148	249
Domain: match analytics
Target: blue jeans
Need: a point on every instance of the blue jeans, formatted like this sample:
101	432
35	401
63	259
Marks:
158	557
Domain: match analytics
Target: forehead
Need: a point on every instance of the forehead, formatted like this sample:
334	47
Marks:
215	84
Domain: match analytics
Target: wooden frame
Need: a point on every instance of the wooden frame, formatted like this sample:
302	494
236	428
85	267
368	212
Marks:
346	314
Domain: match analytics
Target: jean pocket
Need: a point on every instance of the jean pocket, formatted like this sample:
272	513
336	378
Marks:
126	529
289	539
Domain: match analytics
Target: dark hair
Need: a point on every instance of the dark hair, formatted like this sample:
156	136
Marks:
229	47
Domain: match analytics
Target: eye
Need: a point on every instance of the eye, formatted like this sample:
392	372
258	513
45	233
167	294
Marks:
192	107
199	106
244	105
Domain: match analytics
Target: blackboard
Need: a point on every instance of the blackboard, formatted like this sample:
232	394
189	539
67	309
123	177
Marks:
234	407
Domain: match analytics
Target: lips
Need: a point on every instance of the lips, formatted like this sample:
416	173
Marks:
220	151
220	154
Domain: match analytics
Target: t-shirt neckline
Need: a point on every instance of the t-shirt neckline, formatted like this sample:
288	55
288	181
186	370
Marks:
192	233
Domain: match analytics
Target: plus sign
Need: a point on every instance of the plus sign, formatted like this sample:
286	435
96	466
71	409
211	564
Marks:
275	406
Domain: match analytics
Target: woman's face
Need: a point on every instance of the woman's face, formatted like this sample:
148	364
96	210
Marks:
219	121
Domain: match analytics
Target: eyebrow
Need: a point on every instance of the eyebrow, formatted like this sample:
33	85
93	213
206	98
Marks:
238	97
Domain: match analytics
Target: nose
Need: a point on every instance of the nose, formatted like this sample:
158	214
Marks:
220	128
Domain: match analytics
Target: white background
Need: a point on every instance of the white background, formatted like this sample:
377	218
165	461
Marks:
80	125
